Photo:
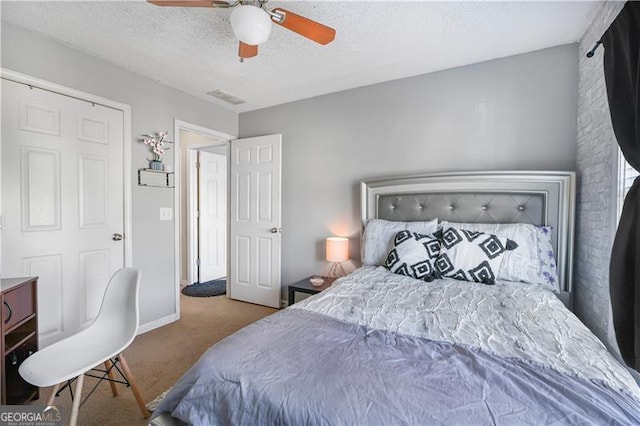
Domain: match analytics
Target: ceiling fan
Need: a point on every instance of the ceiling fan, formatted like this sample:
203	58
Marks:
251	22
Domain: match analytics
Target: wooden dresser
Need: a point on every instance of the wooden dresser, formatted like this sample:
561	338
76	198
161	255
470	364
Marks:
19	330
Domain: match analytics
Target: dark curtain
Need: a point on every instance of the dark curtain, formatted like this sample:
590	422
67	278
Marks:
622	76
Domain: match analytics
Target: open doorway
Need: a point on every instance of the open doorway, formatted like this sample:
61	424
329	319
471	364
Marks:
204	236
202	202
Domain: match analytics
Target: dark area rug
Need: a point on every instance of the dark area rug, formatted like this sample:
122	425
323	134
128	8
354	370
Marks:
206	289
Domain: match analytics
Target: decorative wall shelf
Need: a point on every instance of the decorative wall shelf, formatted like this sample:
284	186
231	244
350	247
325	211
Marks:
158	178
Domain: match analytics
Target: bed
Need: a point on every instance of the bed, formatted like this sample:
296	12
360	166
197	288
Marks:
415	340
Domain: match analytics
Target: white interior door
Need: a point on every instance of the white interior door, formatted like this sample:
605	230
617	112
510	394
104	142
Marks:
255	220
212	200
62	197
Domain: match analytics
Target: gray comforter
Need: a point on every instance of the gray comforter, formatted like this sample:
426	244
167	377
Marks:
298	367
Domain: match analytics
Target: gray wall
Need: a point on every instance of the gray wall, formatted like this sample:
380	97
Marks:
153	108
513	113
597	200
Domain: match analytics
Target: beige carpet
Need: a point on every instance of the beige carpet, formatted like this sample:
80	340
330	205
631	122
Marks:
158	358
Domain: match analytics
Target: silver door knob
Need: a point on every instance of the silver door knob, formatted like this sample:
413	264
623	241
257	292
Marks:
275	230
116	237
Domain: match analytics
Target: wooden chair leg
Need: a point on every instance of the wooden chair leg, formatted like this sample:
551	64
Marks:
134	387
52	397
75	408
107	365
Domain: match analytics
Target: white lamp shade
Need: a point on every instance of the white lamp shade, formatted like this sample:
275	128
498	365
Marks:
337	249
250	24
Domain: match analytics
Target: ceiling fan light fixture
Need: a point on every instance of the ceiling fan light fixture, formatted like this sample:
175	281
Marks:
250	24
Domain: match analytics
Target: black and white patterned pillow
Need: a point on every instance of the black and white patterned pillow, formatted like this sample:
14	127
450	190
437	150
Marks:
471	256
413	255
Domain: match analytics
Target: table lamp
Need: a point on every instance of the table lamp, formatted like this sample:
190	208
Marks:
337	250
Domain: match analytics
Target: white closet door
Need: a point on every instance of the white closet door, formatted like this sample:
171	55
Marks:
62	198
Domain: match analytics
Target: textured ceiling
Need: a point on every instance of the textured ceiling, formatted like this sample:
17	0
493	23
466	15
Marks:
194	50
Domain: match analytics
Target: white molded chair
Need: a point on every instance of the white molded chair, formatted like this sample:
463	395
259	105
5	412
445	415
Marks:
102	342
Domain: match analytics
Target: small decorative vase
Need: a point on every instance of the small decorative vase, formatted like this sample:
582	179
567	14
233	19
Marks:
155	165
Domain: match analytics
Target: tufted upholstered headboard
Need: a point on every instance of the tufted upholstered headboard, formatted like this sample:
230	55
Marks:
538	198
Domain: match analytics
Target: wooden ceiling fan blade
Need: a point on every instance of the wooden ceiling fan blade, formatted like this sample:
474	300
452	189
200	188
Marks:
190	3
305	27
247	51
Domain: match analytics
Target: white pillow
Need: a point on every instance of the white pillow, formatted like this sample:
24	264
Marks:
378	236
533	262
548	266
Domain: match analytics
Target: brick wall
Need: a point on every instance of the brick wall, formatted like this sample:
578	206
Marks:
597	169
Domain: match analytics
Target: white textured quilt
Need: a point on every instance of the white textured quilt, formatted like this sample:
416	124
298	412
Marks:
506	319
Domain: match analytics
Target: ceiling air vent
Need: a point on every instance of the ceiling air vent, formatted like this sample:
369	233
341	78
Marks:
226	96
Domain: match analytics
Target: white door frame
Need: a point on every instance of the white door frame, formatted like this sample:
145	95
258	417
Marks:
191	248
126	113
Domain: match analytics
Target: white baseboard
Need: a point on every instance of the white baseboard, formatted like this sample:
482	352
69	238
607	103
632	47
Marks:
143	328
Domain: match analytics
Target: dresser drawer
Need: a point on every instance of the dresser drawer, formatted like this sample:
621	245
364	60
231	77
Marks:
18	304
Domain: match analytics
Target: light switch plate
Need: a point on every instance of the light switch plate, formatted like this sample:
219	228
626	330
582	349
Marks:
166	213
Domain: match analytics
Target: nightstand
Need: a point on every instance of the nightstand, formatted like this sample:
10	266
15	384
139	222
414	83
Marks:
305	286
